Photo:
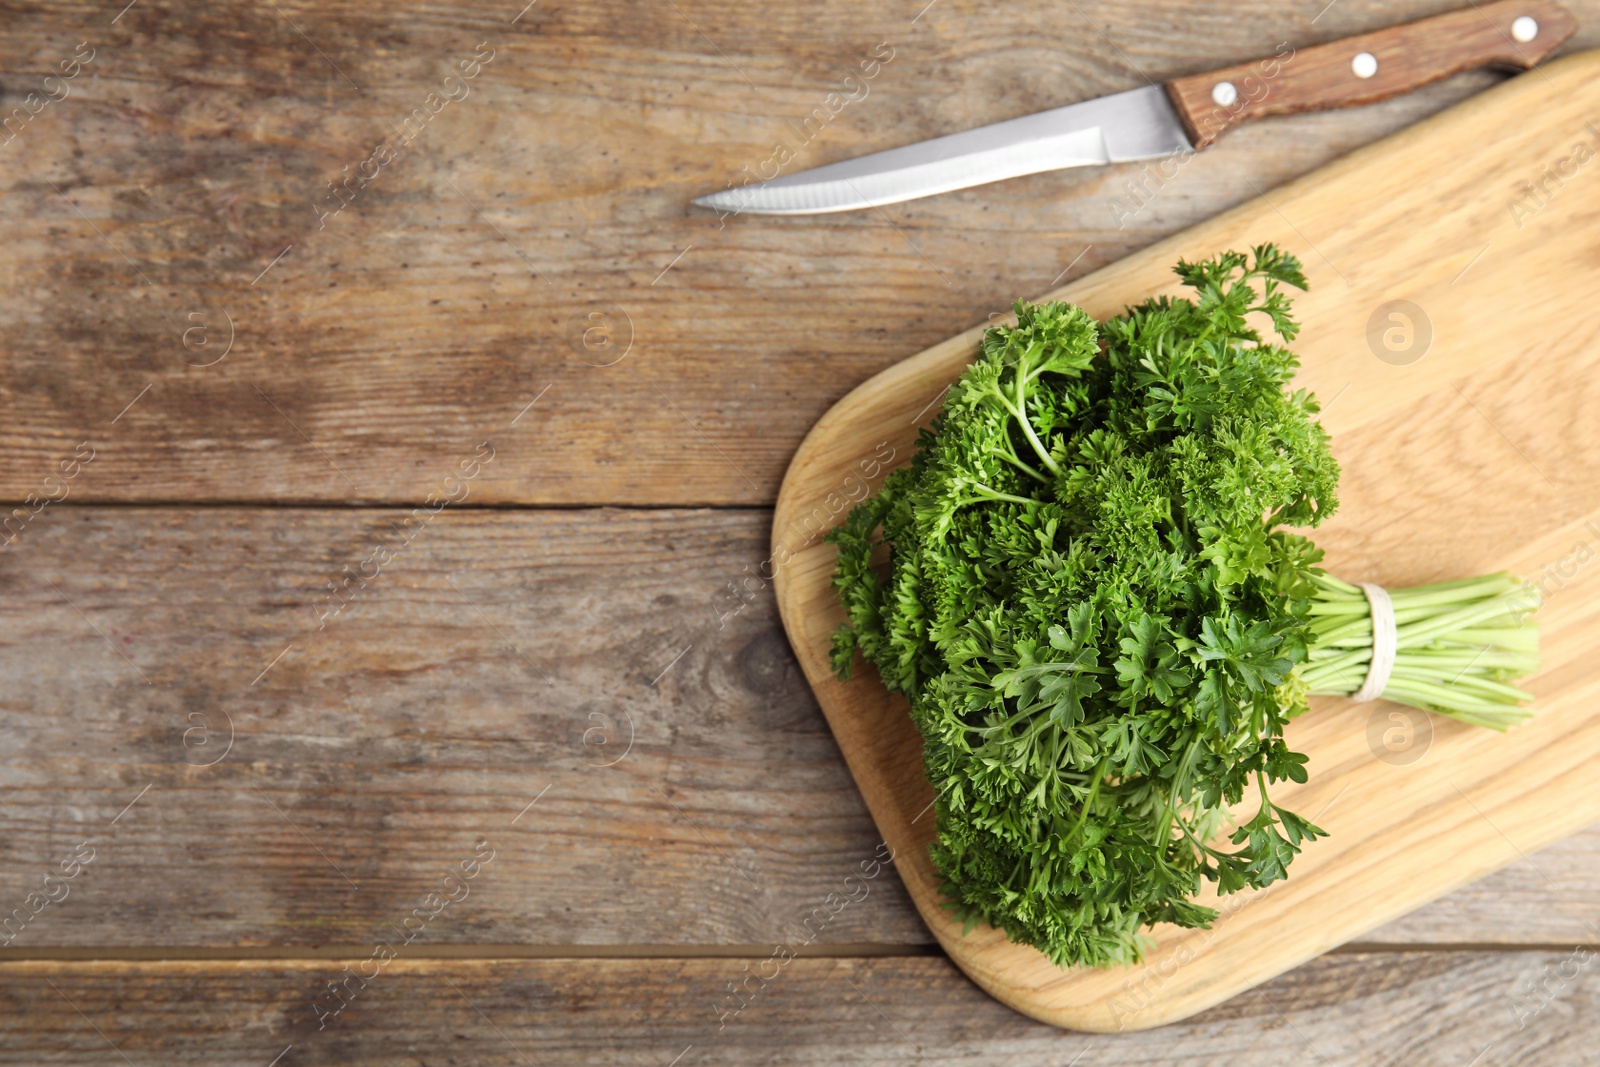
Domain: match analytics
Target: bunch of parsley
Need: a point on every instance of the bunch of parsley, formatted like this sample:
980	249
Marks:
1101	624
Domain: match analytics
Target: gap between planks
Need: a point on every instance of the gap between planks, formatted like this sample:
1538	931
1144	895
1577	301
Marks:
139	953
221	504
484	953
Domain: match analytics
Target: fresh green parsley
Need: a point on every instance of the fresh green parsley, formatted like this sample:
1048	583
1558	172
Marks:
1093	599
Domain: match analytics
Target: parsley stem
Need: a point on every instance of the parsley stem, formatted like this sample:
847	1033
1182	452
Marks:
1179	777
1020	411
985	493
1458	646
1088	801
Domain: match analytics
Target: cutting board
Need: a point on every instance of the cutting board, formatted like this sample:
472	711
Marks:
1451	333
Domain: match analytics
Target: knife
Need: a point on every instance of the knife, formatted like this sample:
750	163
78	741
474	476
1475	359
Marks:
1183	115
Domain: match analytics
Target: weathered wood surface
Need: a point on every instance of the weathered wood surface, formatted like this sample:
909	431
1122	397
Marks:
370	361
497	656
1436	1009
199	142
411	726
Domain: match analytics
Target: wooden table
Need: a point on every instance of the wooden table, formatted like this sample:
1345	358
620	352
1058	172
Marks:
388	677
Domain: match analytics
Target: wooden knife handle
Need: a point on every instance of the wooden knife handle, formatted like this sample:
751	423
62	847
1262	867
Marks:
1370	67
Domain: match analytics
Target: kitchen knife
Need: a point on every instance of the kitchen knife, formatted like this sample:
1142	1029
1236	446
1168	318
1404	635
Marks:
1183	115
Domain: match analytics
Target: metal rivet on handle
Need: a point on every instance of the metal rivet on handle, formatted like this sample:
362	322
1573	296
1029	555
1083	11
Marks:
1223	94
1364	65
1524	29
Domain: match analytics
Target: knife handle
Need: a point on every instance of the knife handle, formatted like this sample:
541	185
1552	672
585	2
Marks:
1370	67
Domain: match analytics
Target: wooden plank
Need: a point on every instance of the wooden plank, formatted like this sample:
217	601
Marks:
499	658
1471	796
146	211
408	725
1536	1009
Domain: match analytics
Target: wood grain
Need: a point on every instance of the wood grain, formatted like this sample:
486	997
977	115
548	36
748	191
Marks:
386	344
499	658
410	724
1537	1009
377	353
1474	800
1407	57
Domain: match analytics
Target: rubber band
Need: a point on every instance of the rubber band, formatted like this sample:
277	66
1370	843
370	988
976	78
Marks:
1385	642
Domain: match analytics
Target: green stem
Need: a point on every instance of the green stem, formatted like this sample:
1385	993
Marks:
1009	455
985	493
1185	765
1459	646
1088	802
1020	412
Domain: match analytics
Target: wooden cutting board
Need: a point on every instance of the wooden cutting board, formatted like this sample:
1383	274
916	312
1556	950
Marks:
1467	420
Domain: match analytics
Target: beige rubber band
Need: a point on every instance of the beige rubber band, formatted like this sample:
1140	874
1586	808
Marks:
1385	641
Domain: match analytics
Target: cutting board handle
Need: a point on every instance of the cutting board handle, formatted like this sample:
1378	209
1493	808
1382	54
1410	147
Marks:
1371	67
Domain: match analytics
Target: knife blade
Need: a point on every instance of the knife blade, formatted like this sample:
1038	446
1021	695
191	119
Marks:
1184	114
1138	124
